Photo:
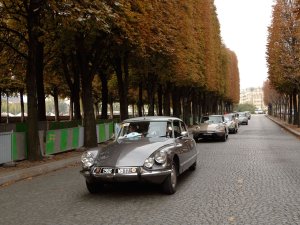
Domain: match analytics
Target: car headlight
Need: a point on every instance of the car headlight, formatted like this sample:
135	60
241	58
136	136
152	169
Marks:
149	162
160	157
88	158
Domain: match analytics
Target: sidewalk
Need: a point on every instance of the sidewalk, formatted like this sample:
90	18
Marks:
26	170
291	128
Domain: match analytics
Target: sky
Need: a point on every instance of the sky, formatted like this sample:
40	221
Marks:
244	30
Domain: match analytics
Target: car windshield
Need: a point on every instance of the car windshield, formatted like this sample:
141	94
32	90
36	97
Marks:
228	117
211	119
150	129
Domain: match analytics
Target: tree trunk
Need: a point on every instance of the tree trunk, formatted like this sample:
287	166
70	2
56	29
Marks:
295	116
151	93
0	105
166	102
290	121
74	86
299	109
40	82
71	111
90	138
176	105
121	88
32	72
140	101
159	100
195	107
186	106
111	109
103	78
22	105
56	109
76	90
96	106
89	122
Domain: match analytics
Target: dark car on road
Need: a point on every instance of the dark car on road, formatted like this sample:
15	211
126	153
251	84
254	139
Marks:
147	149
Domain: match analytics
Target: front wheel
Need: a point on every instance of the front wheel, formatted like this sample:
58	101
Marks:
196	138
170	184
193	167
224	138
93	187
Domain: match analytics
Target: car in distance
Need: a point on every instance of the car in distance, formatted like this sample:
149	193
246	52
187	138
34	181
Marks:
248	113
148	149
232	122
243	118
211	127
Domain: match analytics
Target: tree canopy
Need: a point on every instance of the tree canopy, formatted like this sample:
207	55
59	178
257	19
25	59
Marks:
170	52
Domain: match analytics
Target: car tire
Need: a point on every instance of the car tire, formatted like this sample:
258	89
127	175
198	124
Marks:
224	138
196	138
193	167
93	187
170	183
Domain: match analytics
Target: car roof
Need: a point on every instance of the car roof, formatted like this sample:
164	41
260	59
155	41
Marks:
152	118
214	115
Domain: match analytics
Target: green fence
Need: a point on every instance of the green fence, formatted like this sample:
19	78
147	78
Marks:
63	140
51	141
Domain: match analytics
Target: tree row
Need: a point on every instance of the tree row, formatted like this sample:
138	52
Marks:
282	90
167	56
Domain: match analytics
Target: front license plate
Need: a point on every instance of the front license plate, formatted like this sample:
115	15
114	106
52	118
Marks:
107	170
207	134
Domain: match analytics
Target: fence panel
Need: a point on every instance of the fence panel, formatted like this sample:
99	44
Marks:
19	148
63	140
104	132
5	149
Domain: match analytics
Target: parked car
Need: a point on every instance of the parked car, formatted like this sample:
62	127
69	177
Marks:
259	111
248	114
243	118
211	127
232	122
147	149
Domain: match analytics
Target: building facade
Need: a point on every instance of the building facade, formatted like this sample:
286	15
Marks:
254	96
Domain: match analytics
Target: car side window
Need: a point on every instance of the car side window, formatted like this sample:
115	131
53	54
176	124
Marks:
177	130
169	132
183	128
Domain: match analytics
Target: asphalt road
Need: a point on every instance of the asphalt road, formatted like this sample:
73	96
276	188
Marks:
253	178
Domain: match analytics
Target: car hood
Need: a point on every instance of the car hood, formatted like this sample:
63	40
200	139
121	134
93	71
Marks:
128	152
206	127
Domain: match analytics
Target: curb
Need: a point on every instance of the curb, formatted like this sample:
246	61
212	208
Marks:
284	126
37	170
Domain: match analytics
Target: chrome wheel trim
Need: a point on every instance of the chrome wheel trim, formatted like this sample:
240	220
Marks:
173	176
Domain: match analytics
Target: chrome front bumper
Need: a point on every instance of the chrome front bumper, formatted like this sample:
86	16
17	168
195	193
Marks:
112	174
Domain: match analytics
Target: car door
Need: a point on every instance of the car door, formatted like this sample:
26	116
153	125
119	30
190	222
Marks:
184	145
